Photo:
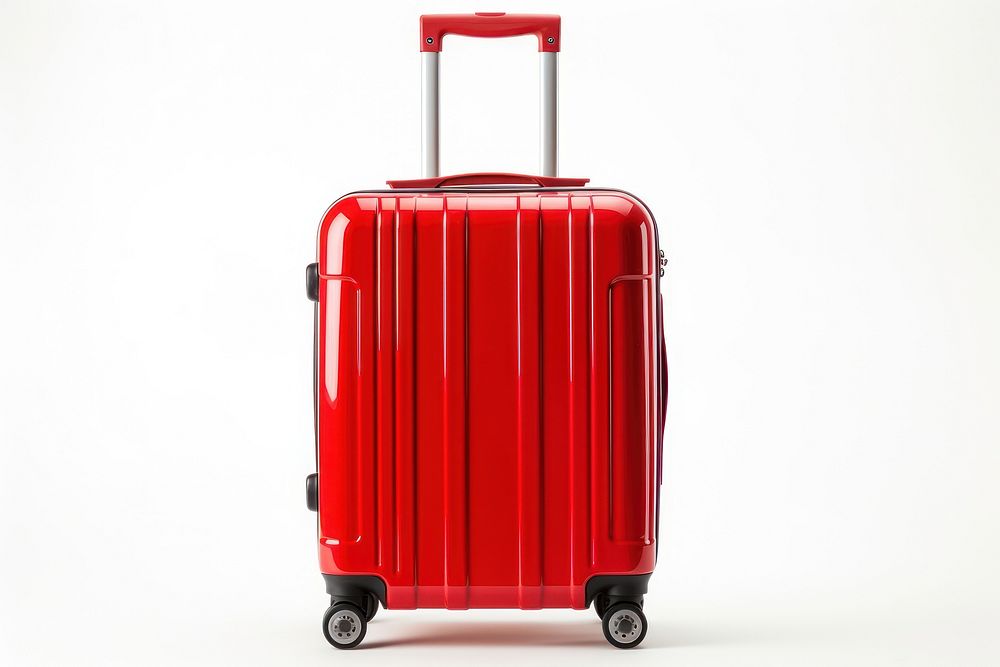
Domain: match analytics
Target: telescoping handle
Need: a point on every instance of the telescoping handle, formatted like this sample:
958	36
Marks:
433	28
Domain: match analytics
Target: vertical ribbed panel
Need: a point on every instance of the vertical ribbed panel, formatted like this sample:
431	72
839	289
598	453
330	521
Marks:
364	487
454	325
404	339
493	396
594	367
580	372
557	426
384	376
429	482
529	409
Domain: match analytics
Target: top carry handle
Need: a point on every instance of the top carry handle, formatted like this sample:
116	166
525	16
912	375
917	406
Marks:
433	28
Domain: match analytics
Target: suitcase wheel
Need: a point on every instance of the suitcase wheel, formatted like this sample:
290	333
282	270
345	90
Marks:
344	625
624	624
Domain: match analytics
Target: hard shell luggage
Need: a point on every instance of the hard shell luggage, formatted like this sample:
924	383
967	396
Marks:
490	384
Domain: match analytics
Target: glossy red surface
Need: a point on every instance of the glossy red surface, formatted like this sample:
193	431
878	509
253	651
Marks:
434	27
489	393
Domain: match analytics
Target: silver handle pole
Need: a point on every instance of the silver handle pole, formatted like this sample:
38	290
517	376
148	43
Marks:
429	146
549	119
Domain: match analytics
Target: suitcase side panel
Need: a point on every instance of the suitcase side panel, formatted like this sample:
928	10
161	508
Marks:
501	449
630	383
340	364
347	408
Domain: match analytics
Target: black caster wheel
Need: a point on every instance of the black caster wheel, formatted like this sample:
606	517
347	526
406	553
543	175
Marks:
371	608
344	625
624	625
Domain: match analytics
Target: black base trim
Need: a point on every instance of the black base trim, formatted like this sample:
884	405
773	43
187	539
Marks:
618	587
354	587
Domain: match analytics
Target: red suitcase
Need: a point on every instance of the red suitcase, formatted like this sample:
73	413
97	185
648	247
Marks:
490	385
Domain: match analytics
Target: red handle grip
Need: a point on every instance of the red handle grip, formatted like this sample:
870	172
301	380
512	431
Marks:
433	27
490	179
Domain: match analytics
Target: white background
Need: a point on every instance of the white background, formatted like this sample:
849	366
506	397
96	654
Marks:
825	175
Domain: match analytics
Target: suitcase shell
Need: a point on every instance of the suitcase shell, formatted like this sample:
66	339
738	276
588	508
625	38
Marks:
490	390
